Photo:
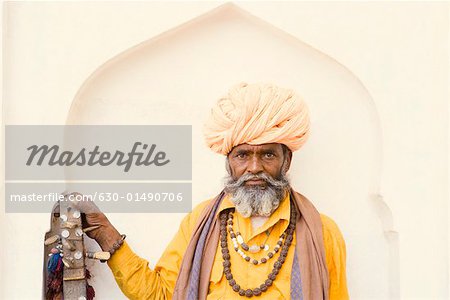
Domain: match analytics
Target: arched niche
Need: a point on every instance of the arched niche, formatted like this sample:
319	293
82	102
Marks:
175	78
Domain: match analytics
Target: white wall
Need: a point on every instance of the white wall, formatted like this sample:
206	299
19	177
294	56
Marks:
397	50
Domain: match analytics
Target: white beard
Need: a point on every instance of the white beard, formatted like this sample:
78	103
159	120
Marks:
256	200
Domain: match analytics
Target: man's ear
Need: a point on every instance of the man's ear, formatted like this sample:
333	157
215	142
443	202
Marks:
287	165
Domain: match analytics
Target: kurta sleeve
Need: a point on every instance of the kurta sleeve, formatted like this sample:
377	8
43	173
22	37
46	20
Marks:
133	274
336	259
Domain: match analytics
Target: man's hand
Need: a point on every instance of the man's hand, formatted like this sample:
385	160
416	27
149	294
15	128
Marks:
104	234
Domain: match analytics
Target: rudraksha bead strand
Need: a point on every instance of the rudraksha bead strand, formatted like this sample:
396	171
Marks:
276	267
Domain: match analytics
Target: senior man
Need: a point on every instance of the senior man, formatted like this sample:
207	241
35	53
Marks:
257	238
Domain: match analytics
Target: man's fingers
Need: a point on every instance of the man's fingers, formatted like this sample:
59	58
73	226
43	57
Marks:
83	203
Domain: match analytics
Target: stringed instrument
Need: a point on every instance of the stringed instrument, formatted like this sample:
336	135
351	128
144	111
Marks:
65	273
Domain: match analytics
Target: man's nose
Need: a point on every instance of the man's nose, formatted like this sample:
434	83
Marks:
255	166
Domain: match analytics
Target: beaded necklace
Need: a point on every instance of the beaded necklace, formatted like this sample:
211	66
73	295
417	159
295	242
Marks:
238	240
288	237
252	248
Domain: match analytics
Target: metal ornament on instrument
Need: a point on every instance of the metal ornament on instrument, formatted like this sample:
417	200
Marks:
65	233
78	255
76	214
79	232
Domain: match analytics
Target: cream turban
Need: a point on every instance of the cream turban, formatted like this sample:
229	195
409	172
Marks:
257	114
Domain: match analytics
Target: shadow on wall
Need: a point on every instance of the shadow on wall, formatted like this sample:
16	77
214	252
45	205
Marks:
175	78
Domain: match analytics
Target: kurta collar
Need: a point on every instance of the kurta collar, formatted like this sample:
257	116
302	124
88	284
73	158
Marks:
282	212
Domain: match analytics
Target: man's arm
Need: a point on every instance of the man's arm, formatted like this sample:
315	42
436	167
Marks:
336	259
131	272
138	281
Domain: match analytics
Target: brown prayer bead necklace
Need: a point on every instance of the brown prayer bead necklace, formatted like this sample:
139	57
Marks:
289	234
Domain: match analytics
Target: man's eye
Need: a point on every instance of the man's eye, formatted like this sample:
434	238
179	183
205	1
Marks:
241	155
269	155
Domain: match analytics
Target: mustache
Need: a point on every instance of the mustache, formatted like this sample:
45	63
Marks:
256	200
236	183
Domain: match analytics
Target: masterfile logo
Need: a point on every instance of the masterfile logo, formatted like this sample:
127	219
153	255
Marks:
100	152
121	168
53	156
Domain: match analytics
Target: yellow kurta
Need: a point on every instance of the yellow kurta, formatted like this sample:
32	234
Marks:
138	281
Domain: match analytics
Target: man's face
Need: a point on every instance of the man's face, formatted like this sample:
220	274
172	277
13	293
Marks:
257	181
258	159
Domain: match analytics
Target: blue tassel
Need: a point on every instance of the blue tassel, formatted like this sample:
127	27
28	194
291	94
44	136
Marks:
53	262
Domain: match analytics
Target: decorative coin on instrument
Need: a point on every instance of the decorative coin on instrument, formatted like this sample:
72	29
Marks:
65	233
78	255
76	214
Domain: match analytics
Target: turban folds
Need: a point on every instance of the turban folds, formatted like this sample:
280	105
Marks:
257	114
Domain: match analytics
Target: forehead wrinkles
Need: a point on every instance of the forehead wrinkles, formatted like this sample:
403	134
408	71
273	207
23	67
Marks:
256	148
